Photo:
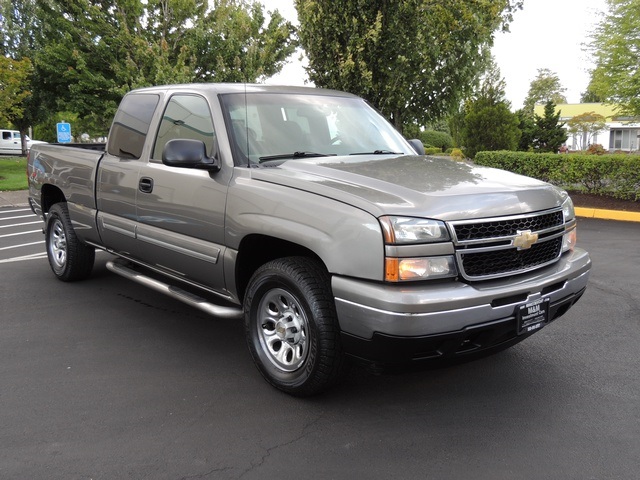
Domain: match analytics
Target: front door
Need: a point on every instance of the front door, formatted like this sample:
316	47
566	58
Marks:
180	211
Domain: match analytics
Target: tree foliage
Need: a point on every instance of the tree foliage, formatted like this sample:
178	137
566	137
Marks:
616	47
527	127
546	87
550	133
489	123
88	53
589	96
15	76
19	25
585	126
413	60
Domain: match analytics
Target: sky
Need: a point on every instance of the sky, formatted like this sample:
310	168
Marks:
544	34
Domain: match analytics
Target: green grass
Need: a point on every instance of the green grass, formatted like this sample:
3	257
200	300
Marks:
13	173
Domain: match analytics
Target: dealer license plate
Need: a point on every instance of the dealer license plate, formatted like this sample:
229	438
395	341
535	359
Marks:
532	316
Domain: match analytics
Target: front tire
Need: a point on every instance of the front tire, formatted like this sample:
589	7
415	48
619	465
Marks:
69	258
291	326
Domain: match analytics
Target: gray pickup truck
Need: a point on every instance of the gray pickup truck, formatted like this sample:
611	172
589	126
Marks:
304	213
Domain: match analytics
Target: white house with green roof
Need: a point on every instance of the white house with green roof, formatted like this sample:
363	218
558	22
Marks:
622	133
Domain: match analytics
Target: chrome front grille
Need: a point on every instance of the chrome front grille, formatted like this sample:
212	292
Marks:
486	248
507	226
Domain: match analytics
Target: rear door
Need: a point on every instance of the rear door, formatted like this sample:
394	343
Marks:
117	182
181	210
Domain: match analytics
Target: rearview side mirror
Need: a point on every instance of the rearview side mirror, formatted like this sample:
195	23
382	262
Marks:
187	153
417	146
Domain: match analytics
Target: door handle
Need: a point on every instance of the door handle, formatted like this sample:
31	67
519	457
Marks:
145	185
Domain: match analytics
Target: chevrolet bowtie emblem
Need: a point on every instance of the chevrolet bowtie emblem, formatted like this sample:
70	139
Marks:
524	239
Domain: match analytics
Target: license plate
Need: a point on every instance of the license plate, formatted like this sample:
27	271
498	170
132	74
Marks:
532	316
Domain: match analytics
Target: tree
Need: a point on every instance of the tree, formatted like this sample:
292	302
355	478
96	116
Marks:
233	44
590	96
15	83
14	88
489	123
616	47
585	126
549	133
18	44
413	60
546	87
94	51
18	27
527	127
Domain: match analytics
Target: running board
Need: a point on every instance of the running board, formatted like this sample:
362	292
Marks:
175	292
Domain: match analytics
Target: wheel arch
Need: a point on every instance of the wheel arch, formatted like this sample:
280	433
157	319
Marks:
255	250
49	196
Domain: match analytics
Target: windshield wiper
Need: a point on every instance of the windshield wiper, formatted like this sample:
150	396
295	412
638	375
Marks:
295	155
378	152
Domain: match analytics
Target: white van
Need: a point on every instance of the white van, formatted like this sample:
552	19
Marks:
10	142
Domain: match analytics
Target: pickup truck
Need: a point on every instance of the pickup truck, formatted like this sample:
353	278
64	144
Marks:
11	142
303	213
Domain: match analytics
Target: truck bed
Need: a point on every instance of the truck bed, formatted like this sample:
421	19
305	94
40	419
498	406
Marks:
72	168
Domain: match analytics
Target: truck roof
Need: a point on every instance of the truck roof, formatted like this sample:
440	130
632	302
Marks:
219	88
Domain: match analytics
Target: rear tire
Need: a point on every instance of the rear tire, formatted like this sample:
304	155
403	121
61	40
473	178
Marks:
69	258
291	326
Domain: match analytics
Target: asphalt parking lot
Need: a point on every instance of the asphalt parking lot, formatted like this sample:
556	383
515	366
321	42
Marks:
104	379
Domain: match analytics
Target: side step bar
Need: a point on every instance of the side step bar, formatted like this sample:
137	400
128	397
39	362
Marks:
175	292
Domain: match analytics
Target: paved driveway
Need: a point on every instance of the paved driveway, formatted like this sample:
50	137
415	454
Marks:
104	379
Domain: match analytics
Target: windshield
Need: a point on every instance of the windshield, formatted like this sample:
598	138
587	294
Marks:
274	126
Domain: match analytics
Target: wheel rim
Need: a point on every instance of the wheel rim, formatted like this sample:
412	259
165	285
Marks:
282	330
58	244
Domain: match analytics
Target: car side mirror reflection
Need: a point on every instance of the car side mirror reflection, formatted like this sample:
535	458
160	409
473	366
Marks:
188	153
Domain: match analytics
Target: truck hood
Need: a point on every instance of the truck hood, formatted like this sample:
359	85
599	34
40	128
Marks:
422	186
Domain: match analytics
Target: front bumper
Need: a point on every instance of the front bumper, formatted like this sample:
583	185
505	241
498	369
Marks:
395	323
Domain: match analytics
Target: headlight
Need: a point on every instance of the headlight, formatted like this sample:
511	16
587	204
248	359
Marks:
420	268
569	240
570	237
567	210
413	231
407	230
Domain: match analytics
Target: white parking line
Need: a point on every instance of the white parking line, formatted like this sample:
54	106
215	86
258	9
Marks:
19	216
34	256
20	233
22	245
15	211
19	224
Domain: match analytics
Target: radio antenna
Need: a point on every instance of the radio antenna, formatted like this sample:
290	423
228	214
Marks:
246	123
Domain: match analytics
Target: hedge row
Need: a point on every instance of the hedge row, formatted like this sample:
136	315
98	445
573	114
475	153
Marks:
614	175
432	150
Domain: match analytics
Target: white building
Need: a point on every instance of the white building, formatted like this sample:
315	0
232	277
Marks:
621	133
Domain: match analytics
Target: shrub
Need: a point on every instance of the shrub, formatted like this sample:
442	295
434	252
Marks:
595	149
457	154
614	175
432	150
434	138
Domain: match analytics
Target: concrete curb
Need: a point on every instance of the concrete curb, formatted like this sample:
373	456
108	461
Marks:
608	214
20	199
